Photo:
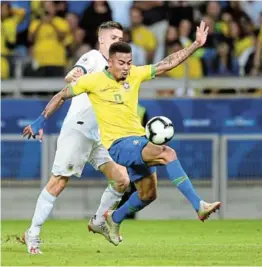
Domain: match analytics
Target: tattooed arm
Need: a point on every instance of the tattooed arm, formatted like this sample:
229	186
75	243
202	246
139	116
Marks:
177	58
57	101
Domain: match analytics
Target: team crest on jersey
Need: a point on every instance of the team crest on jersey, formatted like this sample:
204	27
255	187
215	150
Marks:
70	167
126	85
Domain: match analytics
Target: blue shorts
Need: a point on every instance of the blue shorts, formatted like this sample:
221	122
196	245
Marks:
127	151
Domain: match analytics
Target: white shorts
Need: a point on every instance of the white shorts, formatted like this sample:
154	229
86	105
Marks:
74	150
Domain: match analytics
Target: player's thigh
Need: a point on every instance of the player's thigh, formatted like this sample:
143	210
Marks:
147	187
128	152
73	150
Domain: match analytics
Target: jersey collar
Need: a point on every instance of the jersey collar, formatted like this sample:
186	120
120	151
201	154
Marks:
108	74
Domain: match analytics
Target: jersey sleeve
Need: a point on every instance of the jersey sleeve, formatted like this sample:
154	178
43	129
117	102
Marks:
145	73
86	62
84	84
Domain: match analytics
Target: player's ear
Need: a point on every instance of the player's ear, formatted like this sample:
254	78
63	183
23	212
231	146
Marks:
109	62
100	39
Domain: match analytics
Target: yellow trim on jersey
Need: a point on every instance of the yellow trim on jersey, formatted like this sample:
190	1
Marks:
108	74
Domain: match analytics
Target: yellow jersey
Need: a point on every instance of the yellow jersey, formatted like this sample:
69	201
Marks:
48	50
115	103
144	38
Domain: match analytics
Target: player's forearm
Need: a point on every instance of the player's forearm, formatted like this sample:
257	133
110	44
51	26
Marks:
57	101
175	59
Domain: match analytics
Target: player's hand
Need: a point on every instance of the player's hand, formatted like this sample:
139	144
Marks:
74	74
36	128
201	34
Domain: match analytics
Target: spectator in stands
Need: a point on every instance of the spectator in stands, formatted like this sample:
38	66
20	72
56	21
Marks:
10	18
191	68
243	45
49	36
171	38
179	10
155	18
224	64
257	61
121	11
96	13
22	28
184	30
235	9
37	9
138	53
213	10
61	8
141	35
78	47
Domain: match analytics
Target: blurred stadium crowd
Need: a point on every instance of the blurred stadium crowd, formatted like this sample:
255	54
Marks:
52	35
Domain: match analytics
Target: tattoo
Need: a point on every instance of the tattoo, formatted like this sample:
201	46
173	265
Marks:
57	101
175	59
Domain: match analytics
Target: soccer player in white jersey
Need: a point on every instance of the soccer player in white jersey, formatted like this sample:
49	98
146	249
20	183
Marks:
78	143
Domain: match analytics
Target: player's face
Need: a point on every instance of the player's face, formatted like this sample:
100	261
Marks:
108	37
120	65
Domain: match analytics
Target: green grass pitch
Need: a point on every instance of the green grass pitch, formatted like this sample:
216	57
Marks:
146	243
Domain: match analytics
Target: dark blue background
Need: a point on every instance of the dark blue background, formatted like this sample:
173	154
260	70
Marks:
21	160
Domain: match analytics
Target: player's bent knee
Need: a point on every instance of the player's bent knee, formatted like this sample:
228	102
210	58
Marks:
169	155
122	185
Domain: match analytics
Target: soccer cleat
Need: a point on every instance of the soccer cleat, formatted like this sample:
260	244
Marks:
113	228
101	229
206	209
32	243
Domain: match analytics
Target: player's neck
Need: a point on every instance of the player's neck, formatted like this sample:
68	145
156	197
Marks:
103	52
111	75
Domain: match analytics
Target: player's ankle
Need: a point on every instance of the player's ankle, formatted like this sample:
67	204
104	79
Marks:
98	220
34	230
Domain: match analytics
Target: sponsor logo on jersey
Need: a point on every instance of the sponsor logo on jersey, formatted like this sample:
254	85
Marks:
136	142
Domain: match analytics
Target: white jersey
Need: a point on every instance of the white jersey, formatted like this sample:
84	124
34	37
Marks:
81	115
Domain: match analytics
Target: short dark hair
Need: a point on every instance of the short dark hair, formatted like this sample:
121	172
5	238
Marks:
119	47
109	25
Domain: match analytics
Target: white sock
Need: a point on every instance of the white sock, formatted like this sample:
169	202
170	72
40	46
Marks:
44	206
109	200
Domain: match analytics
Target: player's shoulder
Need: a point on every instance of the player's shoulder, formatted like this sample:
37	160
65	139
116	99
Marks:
92	54
133	69
96	76
90	58
136	70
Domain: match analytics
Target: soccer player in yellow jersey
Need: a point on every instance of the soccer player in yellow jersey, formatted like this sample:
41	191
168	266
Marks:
114	96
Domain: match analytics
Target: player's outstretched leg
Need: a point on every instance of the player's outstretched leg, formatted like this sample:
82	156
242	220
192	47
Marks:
153	154
118	182
44	206
145	194
180	179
